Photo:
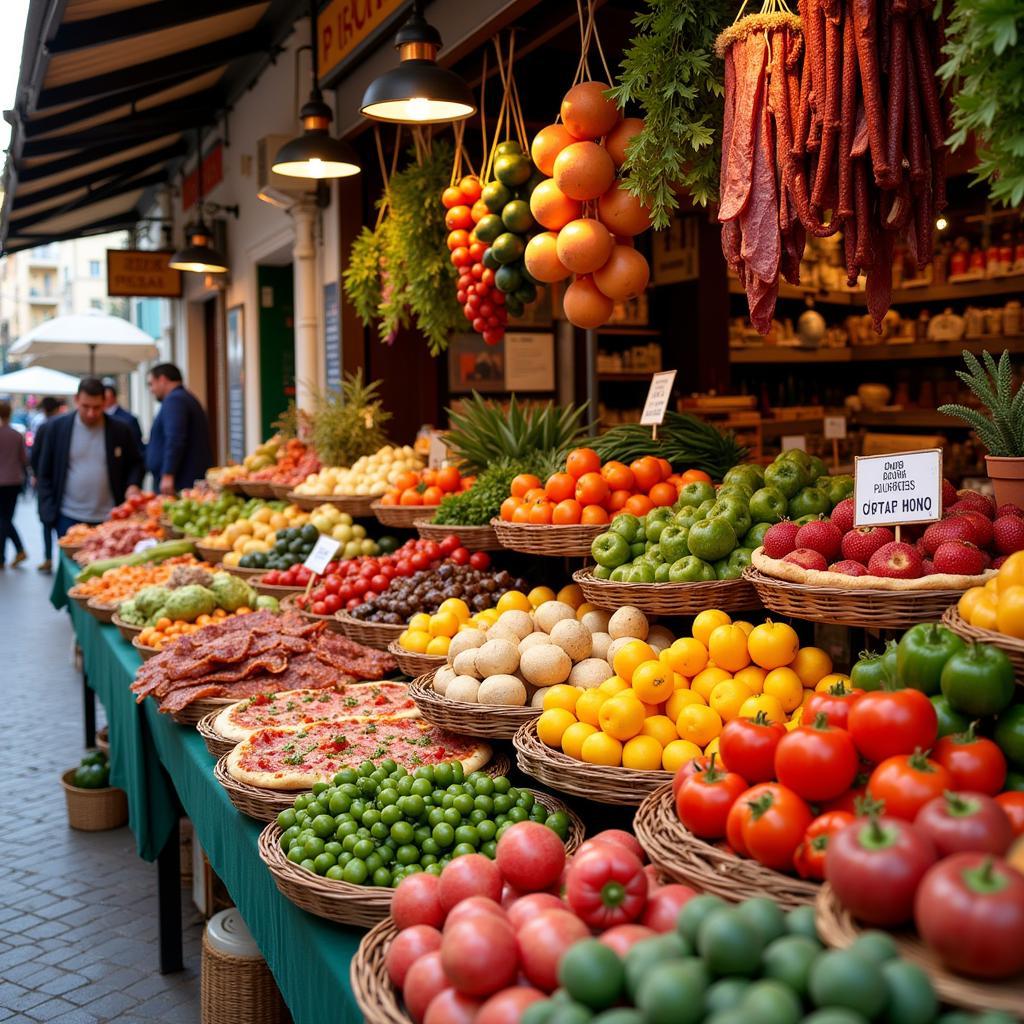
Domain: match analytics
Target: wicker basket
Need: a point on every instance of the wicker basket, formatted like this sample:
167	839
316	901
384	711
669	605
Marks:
101	611
281	491
272	589
80	599
288	604
358	506
401	517
600	783
412	664
553	541
361	905
875	609
211	554
238	988
94	810
370	634
378	1000
485	721
69	548
668	598
194	713
256	488
215	743
103	739
1010	646
837	928
128	631
245	574
685	858
475	538
145	653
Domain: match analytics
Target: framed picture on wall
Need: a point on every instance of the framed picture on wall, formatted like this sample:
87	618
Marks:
235	351
473	365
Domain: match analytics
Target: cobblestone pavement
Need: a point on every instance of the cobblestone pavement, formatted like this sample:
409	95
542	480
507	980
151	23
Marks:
78	910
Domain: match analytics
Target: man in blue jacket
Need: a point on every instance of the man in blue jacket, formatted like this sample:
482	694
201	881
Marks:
178	453
114	410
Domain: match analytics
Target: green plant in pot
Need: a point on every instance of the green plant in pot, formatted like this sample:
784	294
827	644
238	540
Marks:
1002	429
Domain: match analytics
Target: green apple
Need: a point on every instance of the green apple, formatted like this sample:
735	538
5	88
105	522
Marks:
687	516
626	525
706	506
712	538
754	537
673	543
811	518
735	490
746	473
768	505
809	501
735	510
836	487
731	568
817	468
787	475
691	569
641	572
661	572
797	455
696	492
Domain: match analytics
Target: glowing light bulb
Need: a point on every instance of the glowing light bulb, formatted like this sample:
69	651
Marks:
419	108
941	223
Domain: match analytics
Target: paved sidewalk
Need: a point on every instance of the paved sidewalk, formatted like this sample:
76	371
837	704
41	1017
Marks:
78	910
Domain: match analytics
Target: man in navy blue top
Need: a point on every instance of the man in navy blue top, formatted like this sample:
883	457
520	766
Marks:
178	453
116	412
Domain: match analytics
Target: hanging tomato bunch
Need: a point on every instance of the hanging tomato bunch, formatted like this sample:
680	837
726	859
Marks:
590	220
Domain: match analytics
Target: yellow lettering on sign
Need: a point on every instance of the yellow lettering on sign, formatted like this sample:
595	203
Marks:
343	24
133	272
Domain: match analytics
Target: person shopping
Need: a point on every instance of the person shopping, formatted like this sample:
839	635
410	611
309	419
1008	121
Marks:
50	407
13	459
118	413
179	451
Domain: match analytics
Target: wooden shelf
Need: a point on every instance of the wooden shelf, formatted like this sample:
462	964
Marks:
924	419
627	331
882	353
842	297
626	375
788	354
934	293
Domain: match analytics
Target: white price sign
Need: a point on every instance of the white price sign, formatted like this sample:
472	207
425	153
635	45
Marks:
437	452
144	545
658	396
323	551
901	488
791	441
835	428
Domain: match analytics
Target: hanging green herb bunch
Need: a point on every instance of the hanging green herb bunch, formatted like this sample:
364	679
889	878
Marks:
671	72
399	272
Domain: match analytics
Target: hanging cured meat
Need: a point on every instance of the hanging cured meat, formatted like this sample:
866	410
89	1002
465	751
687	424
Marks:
843	101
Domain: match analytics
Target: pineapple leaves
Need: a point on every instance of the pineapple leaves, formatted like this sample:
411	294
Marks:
1002	431
349	422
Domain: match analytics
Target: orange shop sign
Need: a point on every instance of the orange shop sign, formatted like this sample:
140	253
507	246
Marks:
343	24
141	273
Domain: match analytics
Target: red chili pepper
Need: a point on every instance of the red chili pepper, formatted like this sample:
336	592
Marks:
606	886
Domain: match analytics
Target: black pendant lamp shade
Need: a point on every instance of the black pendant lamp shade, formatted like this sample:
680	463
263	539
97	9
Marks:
199	256
418	91
315	154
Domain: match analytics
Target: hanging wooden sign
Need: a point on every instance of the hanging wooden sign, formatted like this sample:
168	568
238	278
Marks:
141	274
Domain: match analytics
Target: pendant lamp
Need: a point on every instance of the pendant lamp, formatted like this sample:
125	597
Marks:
199	256
418	91
315	154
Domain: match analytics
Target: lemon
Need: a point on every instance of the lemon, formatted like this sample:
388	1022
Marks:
513	600
539	595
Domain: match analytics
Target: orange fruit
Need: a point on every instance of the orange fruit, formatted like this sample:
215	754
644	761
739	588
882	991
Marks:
652	682
727	698
687	656
661	727
727	646
561	696
752	677
811	664
613	685
1011	572
706	623
965	606
584	246
661	494
583	171
677	753
552	725
1010	611
698	724
765	702
573	737
587	113
589	704
600	748
551	207
582	460
593	515
619	137
825	683
522	483
547	144
642	753
630	656
679	700
704	682
567	513
541	258
773	644
621	716
784	684
621	213
638	504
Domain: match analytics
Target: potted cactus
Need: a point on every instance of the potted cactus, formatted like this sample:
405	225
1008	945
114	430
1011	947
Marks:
1002	430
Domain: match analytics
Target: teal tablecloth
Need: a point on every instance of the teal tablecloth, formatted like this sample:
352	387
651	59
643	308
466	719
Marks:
309	957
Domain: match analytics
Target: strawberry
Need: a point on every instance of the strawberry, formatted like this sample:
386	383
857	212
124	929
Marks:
1008	534
959	557
929	567
822	536
848	567
807	558
863	541
896	561
780	539
1009	510
976	500
948	493
982	527
954	528
842	515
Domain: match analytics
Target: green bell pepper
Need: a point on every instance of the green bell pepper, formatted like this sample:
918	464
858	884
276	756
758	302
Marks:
610	549
978	681
950	722
1009	735
922	654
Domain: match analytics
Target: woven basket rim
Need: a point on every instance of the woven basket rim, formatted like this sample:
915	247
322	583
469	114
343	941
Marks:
955	621
502	721
586	575
376	997
215	743
358	624
476	538
758	578
412	664
204	548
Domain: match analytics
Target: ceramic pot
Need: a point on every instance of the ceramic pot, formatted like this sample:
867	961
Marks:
1007	476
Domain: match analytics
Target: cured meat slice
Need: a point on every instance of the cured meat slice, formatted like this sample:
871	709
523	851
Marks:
750	80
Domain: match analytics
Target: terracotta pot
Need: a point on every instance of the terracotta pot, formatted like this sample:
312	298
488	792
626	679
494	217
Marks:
1007	476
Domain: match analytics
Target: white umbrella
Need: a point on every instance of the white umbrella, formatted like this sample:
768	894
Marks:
38	380
92	341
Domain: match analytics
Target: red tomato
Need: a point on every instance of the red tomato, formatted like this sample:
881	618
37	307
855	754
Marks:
472	875
560	487
663	906
623	937
748	746
906	783
460	556
975	763
480	560
409	945
424	980
618	837
605	886
479	954
417	901
738	813
592	489
451	1007
970	912
834	704
809	859
694	765
774	824
704	799
524	909
507	1007
542	941
875	866
449	544
888	722
646	473
474	906
965	823
618	475
848	801
817	761
431	549
332	602
1013	804
530	856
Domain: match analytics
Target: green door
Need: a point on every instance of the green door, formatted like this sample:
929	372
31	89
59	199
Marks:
277	343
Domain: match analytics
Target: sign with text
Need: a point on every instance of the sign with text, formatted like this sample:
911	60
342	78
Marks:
323	551
332	337
141	273
529	362
659	394
343	25
835	428
437	452
792	441
902	488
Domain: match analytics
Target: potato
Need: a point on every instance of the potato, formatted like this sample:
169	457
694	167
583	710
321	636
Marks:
442	677
464	640
545	665
519	622
596	620
497	657
628	621
532	640
502	688
573	637
551	612
590	673
660	637
599	644
465	663
537	698
464	689
502	631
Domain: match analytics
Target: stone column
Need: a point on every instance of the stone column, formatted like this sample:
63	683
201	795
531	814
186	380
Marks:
307	348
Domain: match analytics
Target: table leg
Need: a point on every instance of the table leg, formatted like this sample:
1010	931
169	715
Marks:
168	866
89	708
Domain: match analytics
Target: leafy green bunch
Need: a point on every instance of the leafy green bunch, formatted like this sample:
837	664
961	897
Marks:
349	423
1002	431
984	76
670	70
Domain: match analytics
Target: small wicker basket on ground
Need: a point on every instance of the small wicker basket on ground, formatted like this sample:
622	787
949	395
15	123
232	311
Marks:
413	664
127	630
475	538
684	858
486	721
599	783
668	598
94	810
870	609
358	506
837	928
211	554
215	743
546	539
370	634
145	652
1010	646
378	1000
401	517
